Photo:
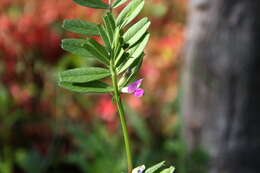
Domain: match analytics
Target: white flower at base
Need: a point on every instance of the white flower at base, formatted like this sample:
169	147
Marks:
139	169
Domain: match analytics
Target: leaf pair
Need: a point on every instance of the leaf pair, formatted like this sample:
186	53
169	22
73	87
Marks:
86	79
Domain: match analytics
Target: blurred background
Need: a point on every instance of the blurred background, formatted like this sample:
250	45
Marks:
46	129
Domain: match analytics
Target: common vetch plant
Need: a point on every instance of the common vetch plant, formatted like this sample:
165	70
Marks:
121	55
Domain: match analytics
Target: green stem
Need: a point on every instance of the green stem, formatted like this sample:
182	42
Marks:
122	118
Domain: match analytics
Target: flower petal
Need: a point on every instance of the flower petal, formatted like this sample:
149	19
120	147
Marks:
139	82
139	92
139	169
132	87
124	90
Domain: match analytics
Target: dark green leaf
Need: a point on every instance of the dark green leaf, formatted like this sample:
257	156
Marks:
111	20
168	170
120	57
129	12
118	3
76	46
136	31
117	42
110	25
92	3
104	36
155	167
82	75
98	51
81	27
109	28
90	87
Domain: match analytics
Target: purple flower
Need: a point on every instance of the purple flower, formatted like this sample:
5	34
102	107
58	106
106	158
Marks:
134	88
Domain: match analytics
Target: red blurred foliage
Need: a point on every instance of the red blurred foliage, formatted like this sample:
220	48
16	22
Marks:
30	34
30	54
106	110
22	96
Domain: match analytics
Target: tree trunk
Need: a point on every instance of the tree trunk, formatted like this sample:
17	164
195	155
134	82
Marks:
221	83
